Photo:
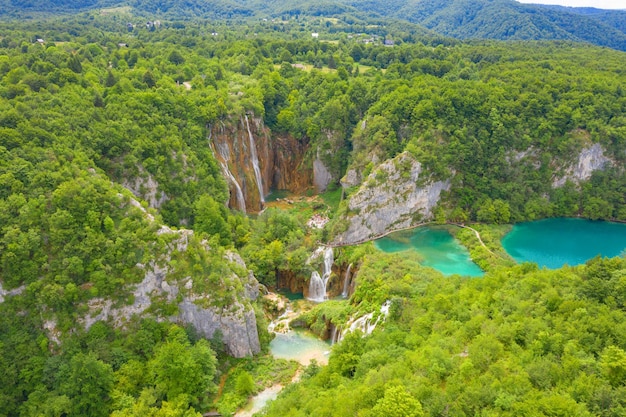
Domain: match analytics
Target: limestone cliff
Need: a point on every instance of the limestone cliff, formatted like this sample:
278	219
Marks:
590	159
146	188
233	319
397	194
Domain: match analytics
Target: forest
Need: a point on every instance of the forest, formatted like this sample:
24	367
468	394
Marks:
106	166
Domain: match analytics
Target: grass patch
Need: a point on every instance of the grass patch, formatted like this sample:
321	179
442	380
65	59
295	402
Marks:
332	199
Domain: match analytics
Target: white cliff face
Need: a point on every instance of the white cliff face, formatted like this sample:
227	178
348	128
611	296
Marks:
589	160
394	196
146	188
321	175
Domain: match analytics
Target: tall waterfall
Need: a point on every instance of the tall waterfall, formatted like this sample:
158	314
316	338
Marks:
241	201
224	152
346	282
255	162
317	283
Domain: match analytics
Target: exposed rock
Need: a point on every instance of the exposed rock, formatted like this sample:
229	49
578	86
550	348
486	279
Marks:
237	328
351	179
290	169
50	327
589	160
236	323
394	196
11	293
145	187
321	175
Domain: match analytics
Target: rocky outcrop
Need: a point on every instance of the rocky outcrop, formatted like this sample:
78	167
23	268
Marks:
235	323
10	293
590	159
279	159
146	188
321	175
395	195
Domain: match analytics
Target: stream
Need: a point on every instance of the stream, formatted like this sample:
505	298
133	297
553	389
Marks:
298	345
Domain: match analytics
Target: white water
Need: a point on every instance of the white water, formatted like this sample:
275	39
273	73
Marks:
364	323
317	283
255	162
241	201
346	282
224	152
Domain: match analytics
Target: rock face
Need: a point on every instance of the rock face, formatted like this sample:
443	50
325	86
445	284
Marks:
280	161
10	293
235	324
146	188
321	175
394	196
590	159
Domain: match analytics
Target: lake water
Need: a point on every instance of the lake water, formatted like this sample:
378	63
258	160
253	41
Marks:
436	247
301	346
556	242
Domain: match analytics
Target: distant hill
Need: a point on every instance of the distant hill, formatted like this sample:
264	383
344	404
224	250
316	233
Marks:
464	19
507	19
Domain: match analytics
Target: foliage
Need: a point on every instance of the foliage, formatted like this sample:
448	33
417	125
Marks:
520	340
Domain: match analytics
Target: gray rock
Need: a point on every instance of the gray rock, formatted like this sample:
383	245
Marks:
321	175
146	188
236	324
391	198
589	160
237	328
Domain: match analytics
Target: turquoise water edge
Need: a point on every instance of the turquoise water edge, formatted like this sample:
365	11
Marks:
552	243
437	248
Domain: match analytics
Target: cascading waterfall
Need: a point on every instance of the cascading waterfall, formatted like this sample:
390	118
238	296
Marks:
317	283
346	282
225	154
255	162
363	323
241	201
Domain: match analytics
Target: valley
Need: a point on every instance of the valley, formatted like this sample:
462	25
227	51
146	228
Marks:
335	216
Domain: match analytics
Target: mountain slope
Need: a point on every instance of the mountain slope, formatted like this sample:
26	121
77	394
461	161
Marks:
465	19
507	19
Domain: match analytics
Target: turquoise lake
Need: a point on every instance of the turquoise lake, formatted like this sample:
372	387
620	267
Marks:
556	242
301	346
437	248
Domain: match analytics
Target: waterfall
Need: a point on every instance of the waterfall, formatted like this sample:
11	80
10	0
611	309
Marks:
317	288
364	323
240	199
224	152
346	282
255	162
336	335
317	283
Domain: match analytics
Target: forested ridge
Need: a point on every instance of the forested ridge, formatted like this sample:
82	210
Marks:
465	19
91	108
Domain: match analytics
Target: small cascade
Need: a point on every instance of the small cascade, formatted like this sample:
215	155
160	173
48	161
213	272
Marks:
346	282
255	162
317	283
281	323
335	335
364	323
